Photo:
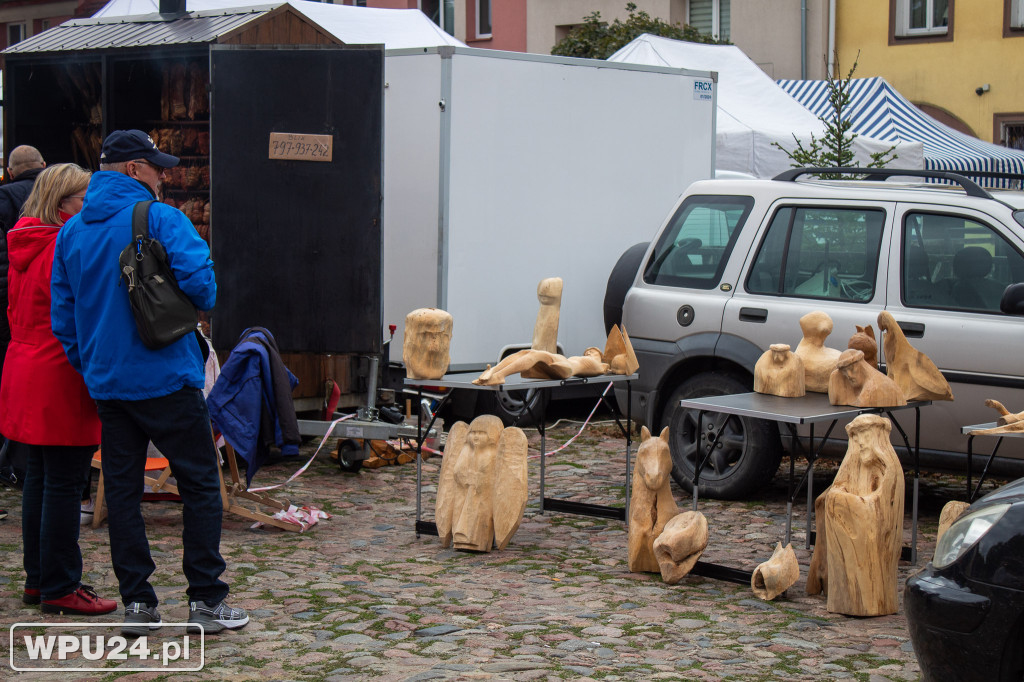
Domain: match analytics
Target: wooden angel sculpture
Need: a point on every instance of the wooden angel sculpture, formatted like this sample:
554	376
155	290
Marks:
482	492
775	576
855	382
863	525
914	372
660	538
779	372
618	352
427	337
864	341
818	360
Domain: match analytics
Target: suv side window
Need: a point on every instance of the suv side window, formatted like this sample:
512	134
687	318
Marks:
955	262
819	252
694	248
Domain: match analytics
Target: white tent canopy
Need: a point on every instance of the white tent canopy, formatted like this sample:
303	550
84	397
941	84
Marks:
394	28
753	111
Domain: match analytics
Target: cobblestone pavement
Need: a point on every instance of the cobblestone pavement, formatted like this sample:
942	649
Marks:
359	596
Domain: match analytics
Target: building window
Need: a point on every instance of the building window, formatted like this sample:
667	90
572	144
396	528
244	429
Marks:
15	33
922	17
44	24
483	18
1009	130
1013	18
441	12
710	17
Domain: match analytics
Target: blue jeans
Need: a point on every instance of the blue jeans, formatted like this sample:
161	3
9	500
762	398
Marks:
51	503
179	426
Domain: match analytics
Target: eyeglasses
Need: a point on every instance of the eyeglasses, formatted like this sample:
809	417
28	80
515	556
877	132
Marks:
152	165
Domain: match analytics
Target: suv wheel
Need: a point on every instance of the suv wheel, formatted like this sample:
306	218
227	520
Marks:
748	452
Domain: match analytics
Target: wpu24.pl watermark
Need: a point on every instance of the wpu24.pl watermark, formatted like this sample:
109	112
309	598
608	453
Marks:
83	647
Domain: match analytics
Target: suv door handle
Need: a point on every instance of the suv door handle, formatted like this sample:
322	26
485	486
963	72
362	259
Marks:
912	330
753	315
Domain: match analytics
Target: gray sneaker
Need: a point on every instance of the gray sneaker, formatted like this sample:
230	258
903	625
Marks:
139	619
216	618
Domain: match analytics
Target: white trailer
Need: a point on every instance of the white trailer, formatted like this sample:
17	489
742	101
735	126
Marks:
504	168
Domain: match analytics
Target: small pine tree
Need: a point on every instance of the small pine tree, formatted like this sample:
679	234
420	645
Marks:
835	149
597	39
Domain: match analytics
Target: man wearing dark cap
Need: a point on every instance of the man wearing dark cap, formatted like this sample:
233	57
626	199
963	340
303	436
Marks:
143	395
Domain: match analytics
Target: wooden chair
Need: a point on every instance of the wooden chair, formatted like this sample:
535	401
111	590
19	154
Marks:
231	494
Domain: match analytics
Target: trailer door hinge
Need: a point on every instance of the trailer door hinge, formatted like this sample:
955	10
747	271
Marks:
441	104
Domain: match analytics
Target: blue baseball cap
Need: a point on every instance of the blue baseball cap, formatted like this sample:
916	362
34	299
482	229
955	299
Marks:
128	145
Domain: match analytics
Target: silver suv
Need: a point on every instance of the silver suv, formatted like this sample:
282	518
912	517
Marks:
738	262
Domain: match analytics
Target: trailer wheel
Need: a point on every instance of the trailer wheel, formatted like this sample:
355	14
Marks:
350	456
619	282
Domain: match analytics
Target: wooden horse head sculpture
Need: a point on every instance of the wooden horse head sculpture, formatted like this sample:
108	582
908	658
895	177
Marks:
651	504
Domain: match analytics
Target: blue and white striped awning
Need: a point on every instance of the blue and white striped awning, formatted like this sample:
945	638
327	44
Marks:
878	110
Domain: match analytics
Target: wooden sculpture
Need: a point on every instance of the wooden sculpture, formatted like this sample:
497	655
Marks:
817	571
590	364
545	331
776	575
863	523
651	504
618	352
819	360
951	511
855	382
680	545
914	372
1005	416
779	372
428	334
482	492
539	363
864	340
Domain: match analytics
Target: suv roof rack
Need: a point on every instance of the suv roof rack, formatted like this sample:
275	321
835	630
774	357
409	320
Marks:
971	188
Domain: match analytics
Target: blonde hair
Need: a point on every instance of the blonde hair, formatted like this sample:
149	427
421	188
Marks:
51	187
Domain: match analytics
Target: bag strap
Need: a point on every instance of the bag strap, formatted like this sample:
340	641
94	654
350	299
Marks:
140	220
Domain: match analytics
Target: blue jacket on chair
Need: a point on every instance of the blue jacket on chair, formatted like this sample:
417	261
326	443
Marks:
251	401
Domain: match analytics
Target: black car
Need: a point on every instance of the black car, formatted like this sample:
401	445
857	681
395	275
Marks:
965	609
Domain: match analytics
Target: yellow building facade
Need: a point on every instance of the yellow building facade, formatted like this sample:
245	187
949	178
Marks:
966	58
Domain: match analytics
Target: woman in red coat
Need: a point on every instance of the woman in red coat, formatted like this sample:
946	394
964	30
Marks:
44	403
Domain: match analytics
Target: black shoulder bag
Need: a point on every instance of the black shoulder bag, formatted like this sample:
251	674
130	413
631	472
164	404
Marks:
163	313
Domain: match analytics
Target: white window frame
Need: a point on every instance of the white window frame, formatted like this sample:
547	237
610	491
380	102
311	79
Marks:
903	28
24	31
441	16
1016	13
716	17
490	18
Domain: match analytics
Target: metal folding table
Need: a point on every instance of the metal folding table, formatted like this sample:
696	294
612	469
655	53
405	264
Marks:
809	409
971	433
518	383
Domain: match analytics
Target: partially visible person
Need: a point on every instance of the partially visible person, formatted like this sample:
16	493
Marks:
46	405
24	166
143	395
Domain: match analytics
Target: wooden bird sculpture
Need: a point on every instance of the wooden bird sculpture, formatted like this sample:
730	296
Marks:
1005	416
913	371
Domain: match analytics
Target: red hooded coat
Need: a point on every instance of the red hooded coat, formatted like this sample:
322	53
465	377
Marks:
43	400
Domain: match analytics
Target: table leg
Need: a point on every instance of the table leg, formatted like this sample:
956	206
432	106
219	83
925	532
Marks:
419	456
916	450
970	458
810	487
629	443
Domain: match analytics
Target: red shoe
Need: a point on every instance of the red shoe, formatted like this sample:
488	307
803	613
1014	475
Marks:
81	602
30	596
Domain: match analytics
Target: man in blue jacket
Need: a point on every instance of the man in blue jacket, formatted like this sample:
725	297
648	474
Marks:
143	395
